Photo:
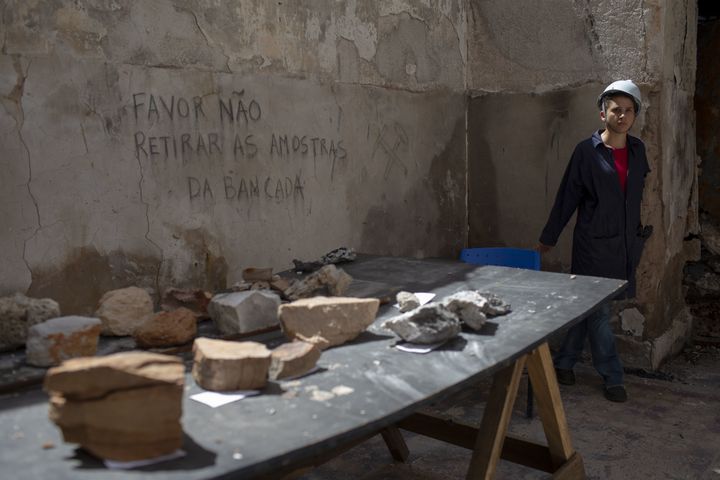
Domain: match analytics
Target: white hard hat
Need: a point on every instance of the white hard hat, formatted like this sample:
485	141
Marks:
622	86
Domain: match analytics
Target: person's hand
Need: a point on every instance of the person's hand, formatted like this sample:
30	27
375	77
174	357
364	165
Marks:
542	248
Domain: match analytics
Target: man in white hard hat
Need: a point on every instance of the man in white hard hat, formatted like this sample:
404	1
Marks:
604	183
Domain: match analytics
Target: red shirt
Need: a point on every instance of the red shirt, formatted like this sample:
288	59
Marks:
620	156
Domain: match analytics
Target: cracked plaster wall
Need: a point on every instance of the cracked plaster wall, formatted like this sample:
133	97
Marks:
177	142
527	113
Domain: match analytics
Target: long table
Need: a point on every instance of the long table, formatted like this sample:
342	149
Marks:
291	425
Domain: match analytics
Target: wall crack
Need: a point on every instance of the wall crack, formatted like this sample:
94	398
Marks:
147	229
206	38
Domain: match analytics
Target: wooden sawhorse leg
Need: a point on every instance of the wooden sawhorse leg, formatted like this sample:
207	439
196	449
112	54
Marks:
490	442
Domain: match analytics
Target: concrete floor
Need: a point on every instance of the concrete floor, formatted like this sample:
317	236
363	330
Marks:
668	429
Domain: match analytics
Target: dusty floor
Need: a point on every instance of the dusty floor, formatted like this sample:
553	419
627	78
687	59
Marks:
669	429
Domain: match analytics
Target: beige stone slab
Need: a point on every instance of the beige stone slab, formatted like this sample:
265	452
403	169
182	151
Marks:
221	365
93	377
327	321
292	359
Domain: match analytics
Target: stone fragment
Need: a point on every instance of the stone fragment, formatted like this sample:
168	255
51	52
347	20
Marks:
260	285
254	274
339	255
93	377
469	306
123	311
496	305
293	359
167	328
18	313
327	321
121	407
220	365
431	323
329	279
407	301
51	342
241	312
279	284
196	300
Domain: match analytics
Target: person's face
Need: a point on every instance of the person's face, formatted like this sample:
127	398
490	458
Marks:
619	115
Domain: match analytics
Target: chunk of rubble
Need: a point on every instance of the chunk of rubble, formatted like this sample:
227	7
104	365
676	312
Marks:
166	329
279	284
496	305
50	343
431	323
195	300
220	365
407	301
469	306
254	274
293	359
328	280
123	407
18	313
241	312
327	321
124	310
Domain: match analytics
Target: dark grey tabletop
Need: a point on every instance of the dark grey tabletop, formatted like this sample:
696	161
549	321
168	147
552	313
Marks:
289	421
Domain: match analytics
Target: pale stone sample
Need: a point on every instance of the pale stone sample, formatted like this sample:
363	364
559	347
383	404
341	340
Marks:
124	310
327	321
18	313
167	328
254	274
196	300
122	407
221	365
241	312
328	279
495	305
430	323
293	359
407	301
62	338
339	255
469	306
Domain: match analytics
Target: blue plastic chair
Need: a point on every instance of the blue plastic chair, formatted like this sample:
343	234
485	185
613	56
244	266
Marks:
505	257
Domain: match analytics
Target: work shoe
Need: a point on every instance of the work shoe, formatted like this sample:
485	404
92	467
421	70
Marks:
564	376
616	394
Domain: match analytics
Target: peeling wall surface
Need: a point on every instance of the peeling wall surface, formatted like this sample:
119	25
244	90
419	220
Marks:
176	142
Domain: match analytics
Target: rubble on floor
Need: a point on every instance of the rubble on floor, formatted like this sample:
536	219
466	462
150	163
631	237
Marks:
221	365
327	321
122	407
51	342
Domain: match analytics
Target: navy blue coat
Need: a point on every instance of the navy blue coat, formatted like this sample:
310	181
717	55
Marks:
607	241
